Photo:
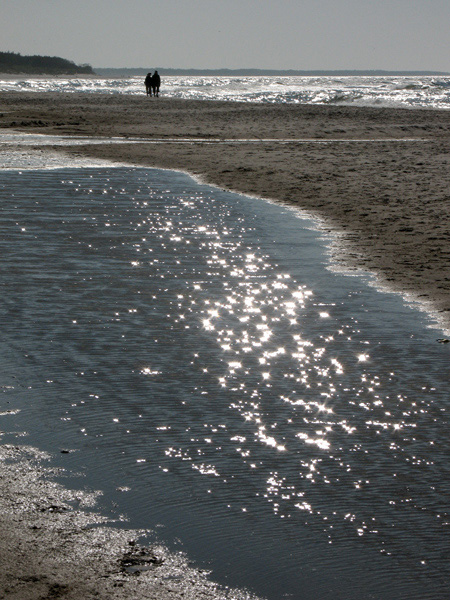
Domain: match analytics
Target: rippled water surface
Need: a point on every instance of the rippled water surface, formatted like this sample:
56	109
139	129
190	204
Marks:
382	90
284	425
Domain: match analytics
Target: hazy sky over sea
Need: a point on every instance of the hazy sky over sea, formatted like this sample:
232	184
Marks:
276	34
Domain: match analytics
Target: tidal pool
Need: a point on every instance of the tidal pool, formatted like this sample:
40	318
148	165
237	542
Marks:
283	425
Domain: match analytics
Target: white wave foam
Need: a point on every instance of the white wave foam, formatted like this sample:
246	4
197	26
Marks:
404	91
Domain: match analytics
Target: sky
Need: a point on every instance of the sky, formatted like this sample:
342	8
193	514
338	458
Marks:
209	34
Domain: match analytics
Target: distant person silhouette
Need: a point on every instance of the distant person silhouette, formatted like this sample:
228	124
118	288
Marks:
148	84
156	82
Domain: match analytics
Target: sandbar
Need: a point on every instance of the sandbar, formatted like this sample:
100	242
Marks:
379	177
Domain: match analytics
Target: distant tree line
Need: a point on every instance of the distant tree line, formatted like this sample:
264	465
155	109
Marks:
12	62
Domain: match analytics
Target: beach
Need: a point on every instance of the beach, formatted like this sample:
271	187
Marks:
53	546
377	179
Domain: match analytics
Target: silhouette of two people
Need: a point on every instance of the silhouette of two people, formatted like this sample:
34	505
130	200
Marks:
152	84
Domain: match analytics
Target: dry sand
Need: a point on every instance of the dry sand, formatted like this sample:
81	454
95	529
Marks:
378	177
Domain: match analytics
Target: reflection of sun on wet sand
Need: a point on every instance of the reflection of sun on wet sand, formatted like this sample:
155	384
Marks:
386	187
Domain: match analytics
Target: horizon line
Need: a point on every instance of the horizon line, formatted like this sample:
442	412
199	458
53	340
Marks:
280	71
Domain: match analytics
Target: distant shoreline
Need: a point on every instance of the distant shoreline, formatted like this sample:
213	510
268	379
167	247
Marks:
101	72
127	71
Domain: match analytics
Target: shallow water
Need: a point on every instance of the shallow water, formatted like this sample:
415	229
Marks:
284	425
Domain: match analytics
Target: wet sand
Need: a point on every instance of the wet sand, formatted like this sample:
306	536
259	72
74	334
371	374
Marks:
378	177
52	547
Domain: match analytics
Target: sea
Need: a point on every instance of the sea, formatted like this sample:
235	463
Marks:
192	354
381	90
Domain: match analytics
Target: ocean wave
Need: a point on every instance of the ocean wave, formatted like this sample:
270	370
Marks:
441	83
344	97
368	90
